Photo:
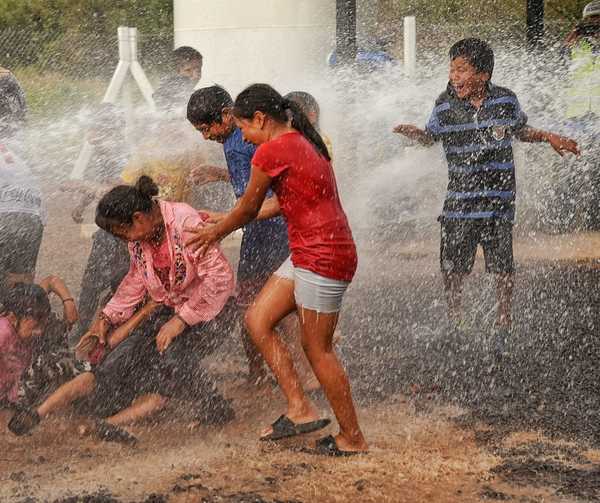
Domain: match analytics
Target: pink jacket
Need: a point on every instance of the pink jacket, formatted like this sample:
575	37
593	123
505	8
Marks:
200	285
15	357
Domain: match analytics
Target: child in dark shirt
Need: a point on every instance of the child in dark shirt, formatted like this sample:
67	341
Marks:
476	121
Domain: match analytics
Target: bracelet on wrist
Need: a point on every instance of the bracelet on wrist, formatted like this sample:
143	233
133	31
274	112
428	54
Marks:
68	299
106	319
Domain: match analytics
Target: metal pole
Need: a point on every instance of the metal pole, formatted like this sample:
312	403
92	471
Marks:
410	45
535	22
345	17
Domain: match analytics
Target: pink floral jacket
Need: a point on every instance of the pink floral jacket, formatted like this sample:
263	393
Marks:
200	285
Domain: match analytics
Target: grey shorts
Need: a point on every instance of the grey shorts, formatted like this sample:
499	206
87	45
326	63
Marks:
313	291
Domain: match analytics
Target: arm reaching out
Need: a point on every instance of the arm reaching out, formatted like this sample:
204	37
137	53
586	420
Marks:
560	144
414	133
123	331
55	285
246	209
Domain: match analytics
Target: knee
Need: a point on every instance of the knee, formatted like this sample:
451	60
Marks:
256	324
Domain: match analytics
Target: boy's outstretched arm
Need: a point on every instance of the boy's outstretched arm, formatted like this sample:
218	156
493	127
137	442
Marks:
559	143
415	133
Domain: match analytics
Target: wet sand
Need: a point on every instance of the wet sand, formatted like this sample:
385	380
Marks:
441	423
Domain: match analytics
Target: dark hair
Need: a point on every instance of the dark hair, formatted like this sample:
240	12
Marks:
119	204
25	300
475	51
305	101
206	105
263	98
184	54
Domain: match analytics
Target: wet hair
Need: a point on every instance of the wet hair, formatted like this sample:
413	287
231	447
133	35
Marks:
477	52
206	105
118	206
306	102
25	300
263	98
185	54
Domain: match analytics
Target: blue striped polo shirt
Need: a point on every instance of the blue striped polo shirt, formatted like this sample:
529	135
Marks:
478	148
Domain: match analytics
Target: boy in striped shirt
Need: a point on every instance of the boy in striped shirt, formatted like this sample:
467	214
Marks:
476	121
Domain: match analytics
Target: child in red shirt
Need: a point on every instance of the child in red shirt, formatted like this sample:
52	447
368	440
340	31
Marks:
293	160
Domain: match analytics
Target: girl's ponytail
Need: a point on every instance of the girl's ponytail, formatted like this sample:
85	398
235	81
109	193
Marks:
301	123
118	206
263	98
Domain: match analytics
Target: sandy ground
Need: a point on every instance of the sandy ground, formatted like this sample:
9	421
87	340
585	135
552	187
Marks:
426	444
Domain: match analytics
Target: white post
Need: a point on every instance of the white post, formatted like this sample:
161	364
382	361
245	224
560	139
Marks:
138	72
410	45
127	63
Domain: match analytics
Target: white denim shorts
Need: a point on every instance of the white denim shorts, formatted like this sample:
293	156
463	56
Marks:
313	291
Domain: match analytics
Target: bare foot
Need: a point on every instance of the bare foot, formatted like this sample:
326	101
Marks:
358	445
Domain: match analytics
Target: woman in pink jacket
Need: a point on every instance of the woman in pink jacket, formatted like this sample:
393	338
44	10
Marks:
160	357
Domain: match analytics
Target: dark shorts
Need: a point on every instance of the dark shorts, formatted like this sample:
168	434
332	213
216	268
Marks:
264	248
459	241
135	367
20	240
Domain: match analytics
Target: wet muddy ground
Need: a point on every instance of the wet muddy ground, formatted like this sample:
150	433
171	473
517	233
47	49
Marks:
445	421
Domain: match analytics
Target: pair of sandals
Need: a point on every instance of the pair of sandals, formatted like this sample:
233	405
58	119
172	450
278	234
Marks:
26	420
284	427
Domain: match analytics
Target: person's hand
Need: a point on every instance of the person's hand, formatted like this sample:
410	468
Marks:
70	314
410	131
212	217
203	174
563	144
98	328
168	332
202	237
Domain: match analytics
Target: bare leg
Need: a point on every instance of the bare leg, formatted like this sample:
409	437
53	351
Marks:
453	284
82	385
142	407
317	341
274	302
290	332
504	291
256	369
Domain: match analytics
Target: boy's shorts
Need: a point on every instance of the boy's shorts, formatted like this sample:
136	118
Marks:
20	240
459	240
263	249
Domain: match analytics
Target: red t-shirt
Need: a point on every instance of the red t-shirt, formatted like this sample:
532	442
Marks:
319	235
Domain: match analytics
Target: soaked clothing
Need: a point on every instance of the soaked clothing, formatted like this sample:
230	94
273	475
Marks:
583	91
15	357
22	215
264	244
318	231
459	241
13	107
478	148
135	367
106	267
53	364
20	240
31	369
199	285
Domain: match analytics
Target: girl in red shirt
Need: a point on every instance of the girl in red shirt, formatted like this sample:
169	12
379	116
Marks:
293	160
